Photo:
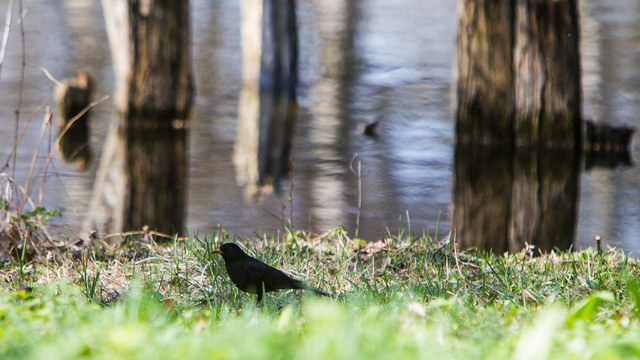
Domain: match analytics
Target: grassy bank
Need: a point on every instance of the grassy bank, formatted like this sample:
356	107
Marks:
404	297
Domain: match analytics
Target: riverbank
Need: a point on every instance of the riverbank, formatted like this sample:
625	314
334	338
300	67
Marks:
401	297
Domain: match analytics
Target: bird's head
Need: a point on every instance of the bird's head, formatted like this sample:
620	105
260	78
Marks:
229	251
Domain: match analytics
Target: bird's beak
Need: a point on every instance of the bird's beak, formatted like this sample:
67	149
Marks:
217	251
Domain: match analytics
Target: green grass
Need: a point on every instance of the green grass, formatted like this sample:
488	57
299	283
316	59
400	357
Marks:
412	299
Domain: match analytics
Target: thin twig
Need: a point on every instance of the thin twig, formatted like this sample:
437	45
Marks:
359	196
358	174
152	259
293	227
283	217
291	190
272	215
351	163
21	86
46	72
27	186
56	173
46	167
55	146
599	245
143	232
70	123
5	35
8	191
24	130
455	256
24	195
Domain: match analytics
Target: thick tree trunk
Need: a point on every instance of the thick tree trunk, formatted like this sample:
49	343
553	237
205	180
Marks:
519	86
142	176
484	70
151	50
519	73
547	73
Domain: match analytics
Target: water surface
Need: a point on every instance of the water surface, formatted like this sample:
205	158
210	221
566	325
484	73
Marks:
384	60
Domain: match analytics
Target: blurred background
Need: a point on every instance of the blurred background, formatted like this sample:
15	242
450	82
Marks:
359	61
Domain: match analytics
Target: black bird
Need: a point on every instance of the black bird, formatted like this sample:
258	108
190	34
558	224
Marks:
253	276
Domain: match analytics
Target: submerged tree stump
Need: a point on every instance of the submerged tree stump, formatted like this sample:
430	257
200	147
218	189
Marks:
72	97
607	146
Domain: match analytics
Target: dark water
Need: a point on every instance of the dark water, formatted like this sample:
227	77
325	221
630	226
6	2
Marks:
386	60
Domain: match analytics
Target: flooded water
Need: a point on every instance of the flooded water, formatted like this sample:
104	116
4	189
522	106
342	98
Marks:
389	61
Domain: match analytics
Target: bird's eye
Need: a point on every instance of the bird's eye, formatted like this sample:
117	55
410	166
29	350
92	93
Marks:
229	249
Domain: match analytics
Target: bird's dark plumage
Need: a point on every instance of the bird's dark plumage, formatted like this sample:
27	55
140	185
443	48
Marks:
252	275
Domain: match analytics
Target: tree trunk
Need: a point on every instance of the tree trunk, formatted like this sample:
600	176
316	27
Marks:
150	45
485	77
547	73
518	69
142	176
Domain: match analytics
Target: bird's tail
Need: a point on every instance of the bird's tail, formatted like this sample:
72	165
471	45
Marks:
319	292
302	286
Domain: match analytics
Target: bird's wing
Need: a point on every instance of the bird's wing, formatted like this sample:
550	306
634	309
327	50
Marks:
272	278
